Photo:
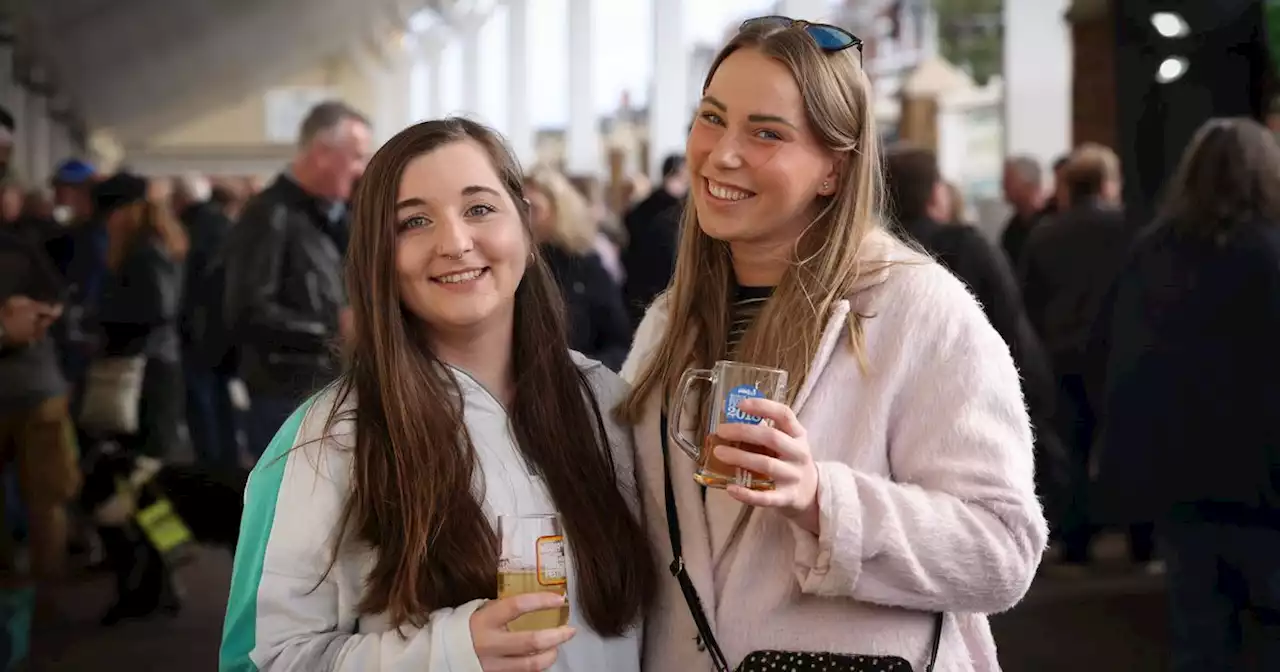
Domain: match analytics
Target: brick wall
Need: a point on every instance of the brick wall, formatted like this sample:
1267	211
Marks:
1093	81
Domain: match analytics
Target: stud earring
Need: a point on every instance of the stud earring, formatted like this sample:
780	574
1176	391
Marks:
826	185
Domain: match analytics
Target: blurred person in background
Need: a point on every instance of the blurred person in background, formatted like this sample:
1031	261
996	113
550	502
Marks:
1058	198
11	197
920	202
1024	192
610	236
211	417
284	295
566	231
653	229
72	192
227	199
38	203
6	141
58	225
1190	384
635	188
956	209
139	309
1069	264
37	439
29	215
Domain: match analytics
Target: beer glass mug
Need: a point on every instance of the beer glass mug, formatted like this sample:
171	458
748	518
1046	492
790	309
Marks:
532	560
731	383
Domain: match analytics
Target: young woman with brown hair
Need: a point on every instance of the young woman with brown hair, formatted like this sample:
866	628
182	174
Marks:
368	540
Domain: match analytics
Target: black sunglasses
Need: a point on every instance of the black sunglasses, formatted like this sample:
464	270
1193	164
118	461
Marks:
828	37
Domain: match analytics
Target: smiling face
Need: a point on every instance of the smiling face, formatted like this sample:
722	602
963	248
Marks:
461	248
756	167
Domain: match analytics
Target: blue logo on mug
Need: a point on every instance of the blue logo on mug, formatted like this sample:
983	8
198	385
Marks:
736	396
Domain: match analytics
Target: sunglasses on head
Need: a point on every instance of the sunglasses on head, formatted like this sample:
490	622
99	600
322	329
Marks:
829	38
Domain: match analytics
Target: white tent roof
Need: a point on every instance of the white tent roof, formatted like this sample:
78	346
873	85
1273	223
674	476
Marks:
138	66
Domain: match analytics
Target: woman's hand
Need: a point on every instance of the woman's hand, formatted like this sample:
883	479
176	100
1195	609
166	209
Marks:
501	650
795	476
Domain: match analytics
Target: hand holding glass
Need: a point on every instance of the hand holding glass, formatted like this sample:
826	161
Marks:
731	383
532	560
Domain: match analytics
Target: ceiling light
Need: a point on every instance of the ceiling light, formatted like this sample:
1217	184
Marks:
1172	69
1170	25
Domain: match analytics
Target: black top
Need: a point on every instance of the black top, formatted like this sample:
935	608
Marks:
747	304
1190	380
597	319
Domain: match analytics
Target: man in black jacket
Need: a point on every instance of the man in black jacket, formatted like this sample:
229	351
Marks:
211	418
920	201
1025	194
1069	265
653	234
285	297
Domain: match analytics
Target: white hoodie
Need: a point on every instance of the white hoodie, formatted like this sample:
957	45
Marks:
282	615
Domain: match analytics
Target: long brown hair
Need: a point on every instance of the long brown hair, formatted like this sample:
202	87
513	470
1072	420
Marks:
412	496
829	262
145	220
1229	175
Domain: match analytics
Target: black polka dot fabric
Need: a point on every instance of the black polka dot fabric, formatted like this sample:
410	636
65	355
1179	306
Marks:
793	661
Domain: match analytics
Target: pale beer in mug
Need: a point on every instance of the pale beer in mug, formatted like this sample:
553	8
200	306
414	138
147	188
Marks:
512	583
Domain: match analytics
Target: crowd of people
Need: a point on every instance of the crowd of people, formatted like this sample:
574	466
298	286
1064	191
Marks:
413	342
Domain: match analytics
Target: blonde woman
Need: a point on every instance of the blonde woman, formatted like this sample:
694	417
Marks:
904	509
137	313
564	228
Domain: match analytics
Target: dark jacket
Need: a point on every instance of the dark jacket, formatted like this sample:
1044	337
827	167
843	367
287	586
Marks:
653	236
1191	384
1069	264
28	374
597	322
207	227
80	252
139	306
1014	237
285	291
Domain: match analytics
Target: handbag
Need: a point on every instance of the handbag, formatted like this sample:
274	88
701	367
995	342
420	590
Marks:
768	660
112	392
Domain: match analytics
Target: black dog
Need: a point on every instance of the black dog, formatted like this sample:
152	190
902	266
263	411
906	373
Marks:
118	485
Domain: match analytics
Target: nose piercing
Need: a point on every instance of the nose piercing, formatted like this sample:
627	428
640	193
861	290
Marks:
455	257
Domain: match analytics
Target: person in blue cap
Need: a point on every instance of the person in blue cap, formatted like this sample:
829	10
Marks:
79	250
72	186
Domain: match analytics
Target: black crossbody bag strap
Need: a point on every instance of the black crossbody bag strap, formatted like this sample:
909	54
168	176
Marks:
706	638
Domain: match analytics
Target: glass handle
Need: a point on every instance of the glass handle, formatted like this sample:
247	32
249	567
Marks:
687	379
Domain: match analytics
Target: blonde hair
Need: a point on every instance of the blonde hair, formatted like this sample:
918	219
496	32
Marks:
572	227
147	219
829	263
